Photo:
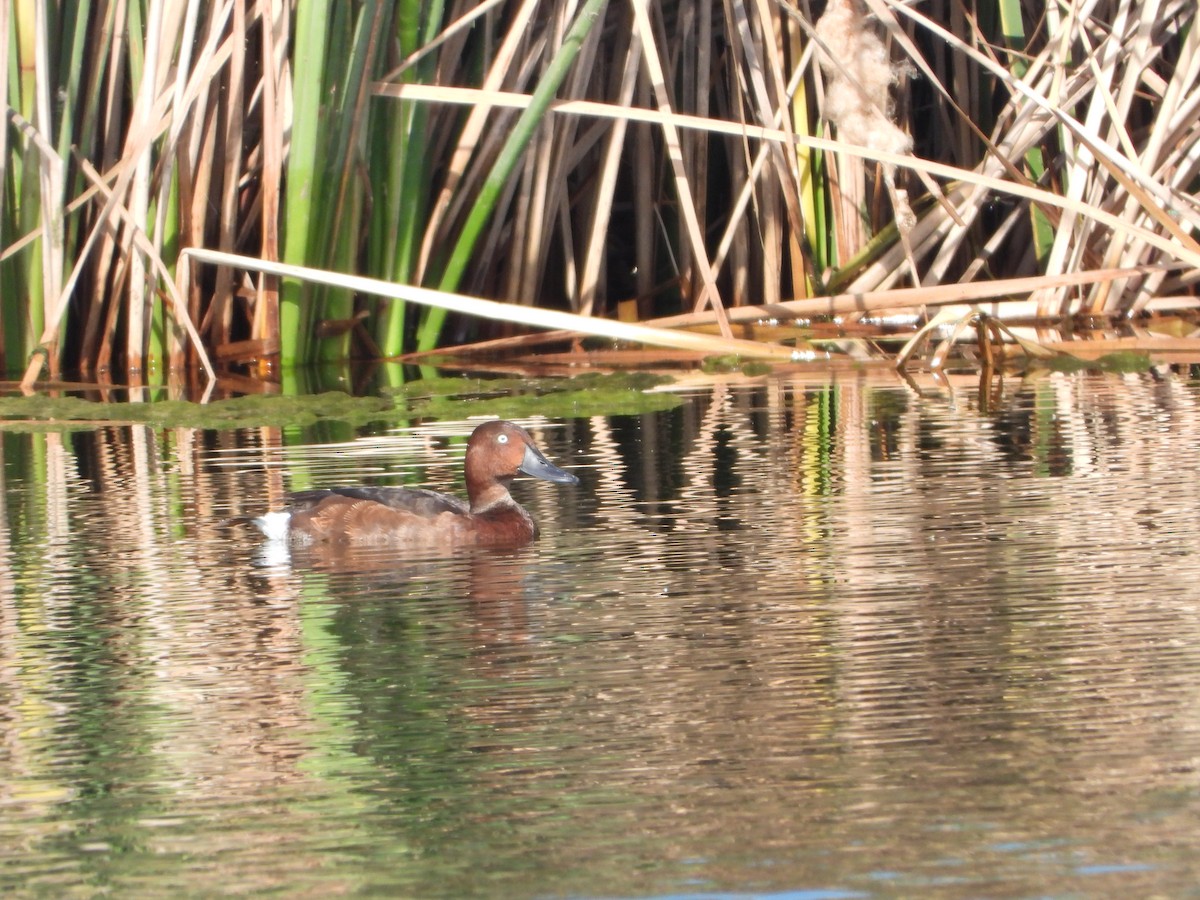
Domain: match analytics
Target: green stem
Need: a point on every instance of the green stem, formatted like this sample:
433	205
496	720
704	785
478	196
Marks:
506	164
312	27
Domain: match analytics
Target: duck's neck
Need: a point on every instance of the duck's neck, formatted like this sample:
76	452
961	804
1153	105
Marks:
494	495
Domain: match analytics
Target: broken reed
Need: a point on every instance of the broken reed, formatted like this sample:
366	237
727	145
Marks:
435	143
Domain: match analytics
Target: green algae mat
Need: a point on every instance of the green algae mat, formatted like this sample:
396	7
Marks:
435	398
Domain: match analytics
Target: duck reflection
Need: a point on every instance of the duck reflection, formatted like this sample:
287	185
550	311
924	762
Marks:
494	585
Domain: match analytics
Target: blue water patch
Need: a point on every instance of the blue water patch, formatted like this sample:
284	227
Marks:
1114	869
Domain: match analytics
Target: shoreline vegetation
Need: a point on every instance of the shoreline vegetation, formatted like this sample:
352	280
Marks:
682	174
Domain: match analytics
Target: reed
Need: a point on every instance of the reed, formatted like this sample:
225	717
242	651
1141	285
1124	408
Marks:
629	159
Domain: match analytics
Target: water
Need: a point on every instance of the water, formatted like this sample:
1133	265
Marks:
808	639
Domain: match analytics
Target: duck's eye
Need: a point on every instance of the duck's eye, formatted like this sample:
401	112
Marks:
502	438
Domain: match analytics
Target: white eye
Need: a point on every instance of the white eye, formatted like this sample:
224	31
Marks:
502	438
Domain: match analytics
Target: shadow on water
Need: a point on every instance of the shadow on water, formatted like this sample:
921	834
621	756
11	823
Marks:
805	638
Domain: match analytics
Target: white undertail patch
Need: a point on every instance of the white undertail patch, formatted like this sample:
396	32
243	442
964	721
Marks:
275	525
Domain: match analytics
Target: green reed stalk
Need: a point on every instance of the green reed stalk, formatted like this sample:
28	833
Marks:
506	165
1013	28
302	211
23	320
813	188
7	289
71	69
160	325
403	202
343	194
330	235
78	109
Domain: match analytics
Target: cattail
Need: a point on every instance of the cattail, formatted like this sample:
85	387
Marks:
857	95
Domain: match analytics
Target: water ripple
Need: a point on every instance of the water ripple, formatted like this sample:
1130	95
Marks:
802	639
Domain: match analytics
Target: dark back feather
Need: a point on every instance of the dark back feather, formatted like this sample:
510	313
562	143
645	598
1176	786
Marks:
418	501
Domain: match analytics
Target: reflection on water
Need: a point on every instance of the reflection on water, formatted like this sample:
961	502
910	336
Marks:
811	638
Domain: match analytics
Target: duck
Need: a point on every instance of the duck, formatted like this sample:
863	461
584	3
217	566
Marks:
497	452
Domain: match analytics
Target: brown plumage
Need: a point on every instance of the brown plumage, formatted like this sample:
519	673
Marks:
497	452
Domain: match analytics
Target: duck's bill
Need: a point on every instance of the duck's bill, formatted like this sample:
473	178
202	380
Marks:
539	467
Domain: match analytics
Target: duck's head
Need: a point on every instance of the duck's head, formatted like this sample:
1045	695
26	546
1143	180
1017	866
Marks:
499	451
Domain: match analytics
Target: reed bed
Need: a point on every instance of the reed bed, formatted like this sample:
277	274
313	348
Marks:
616	160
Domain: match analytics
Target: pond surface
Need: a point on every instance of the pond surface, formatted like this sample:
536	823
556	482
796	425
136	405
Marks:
801	638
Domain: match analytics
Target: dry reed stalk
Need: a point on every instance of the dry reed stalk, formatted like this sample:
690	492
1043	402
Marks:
709	294
893	302
459	25
201	150
490	309
647	234
179	305
146	247
983	180
644	187
150	123
1161	347
753	184
137	308
780	210
564	153
104	300
602	203
174	349
51	179
537	212
456	189
229	167
906	298
692	62
275	119
1041	101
